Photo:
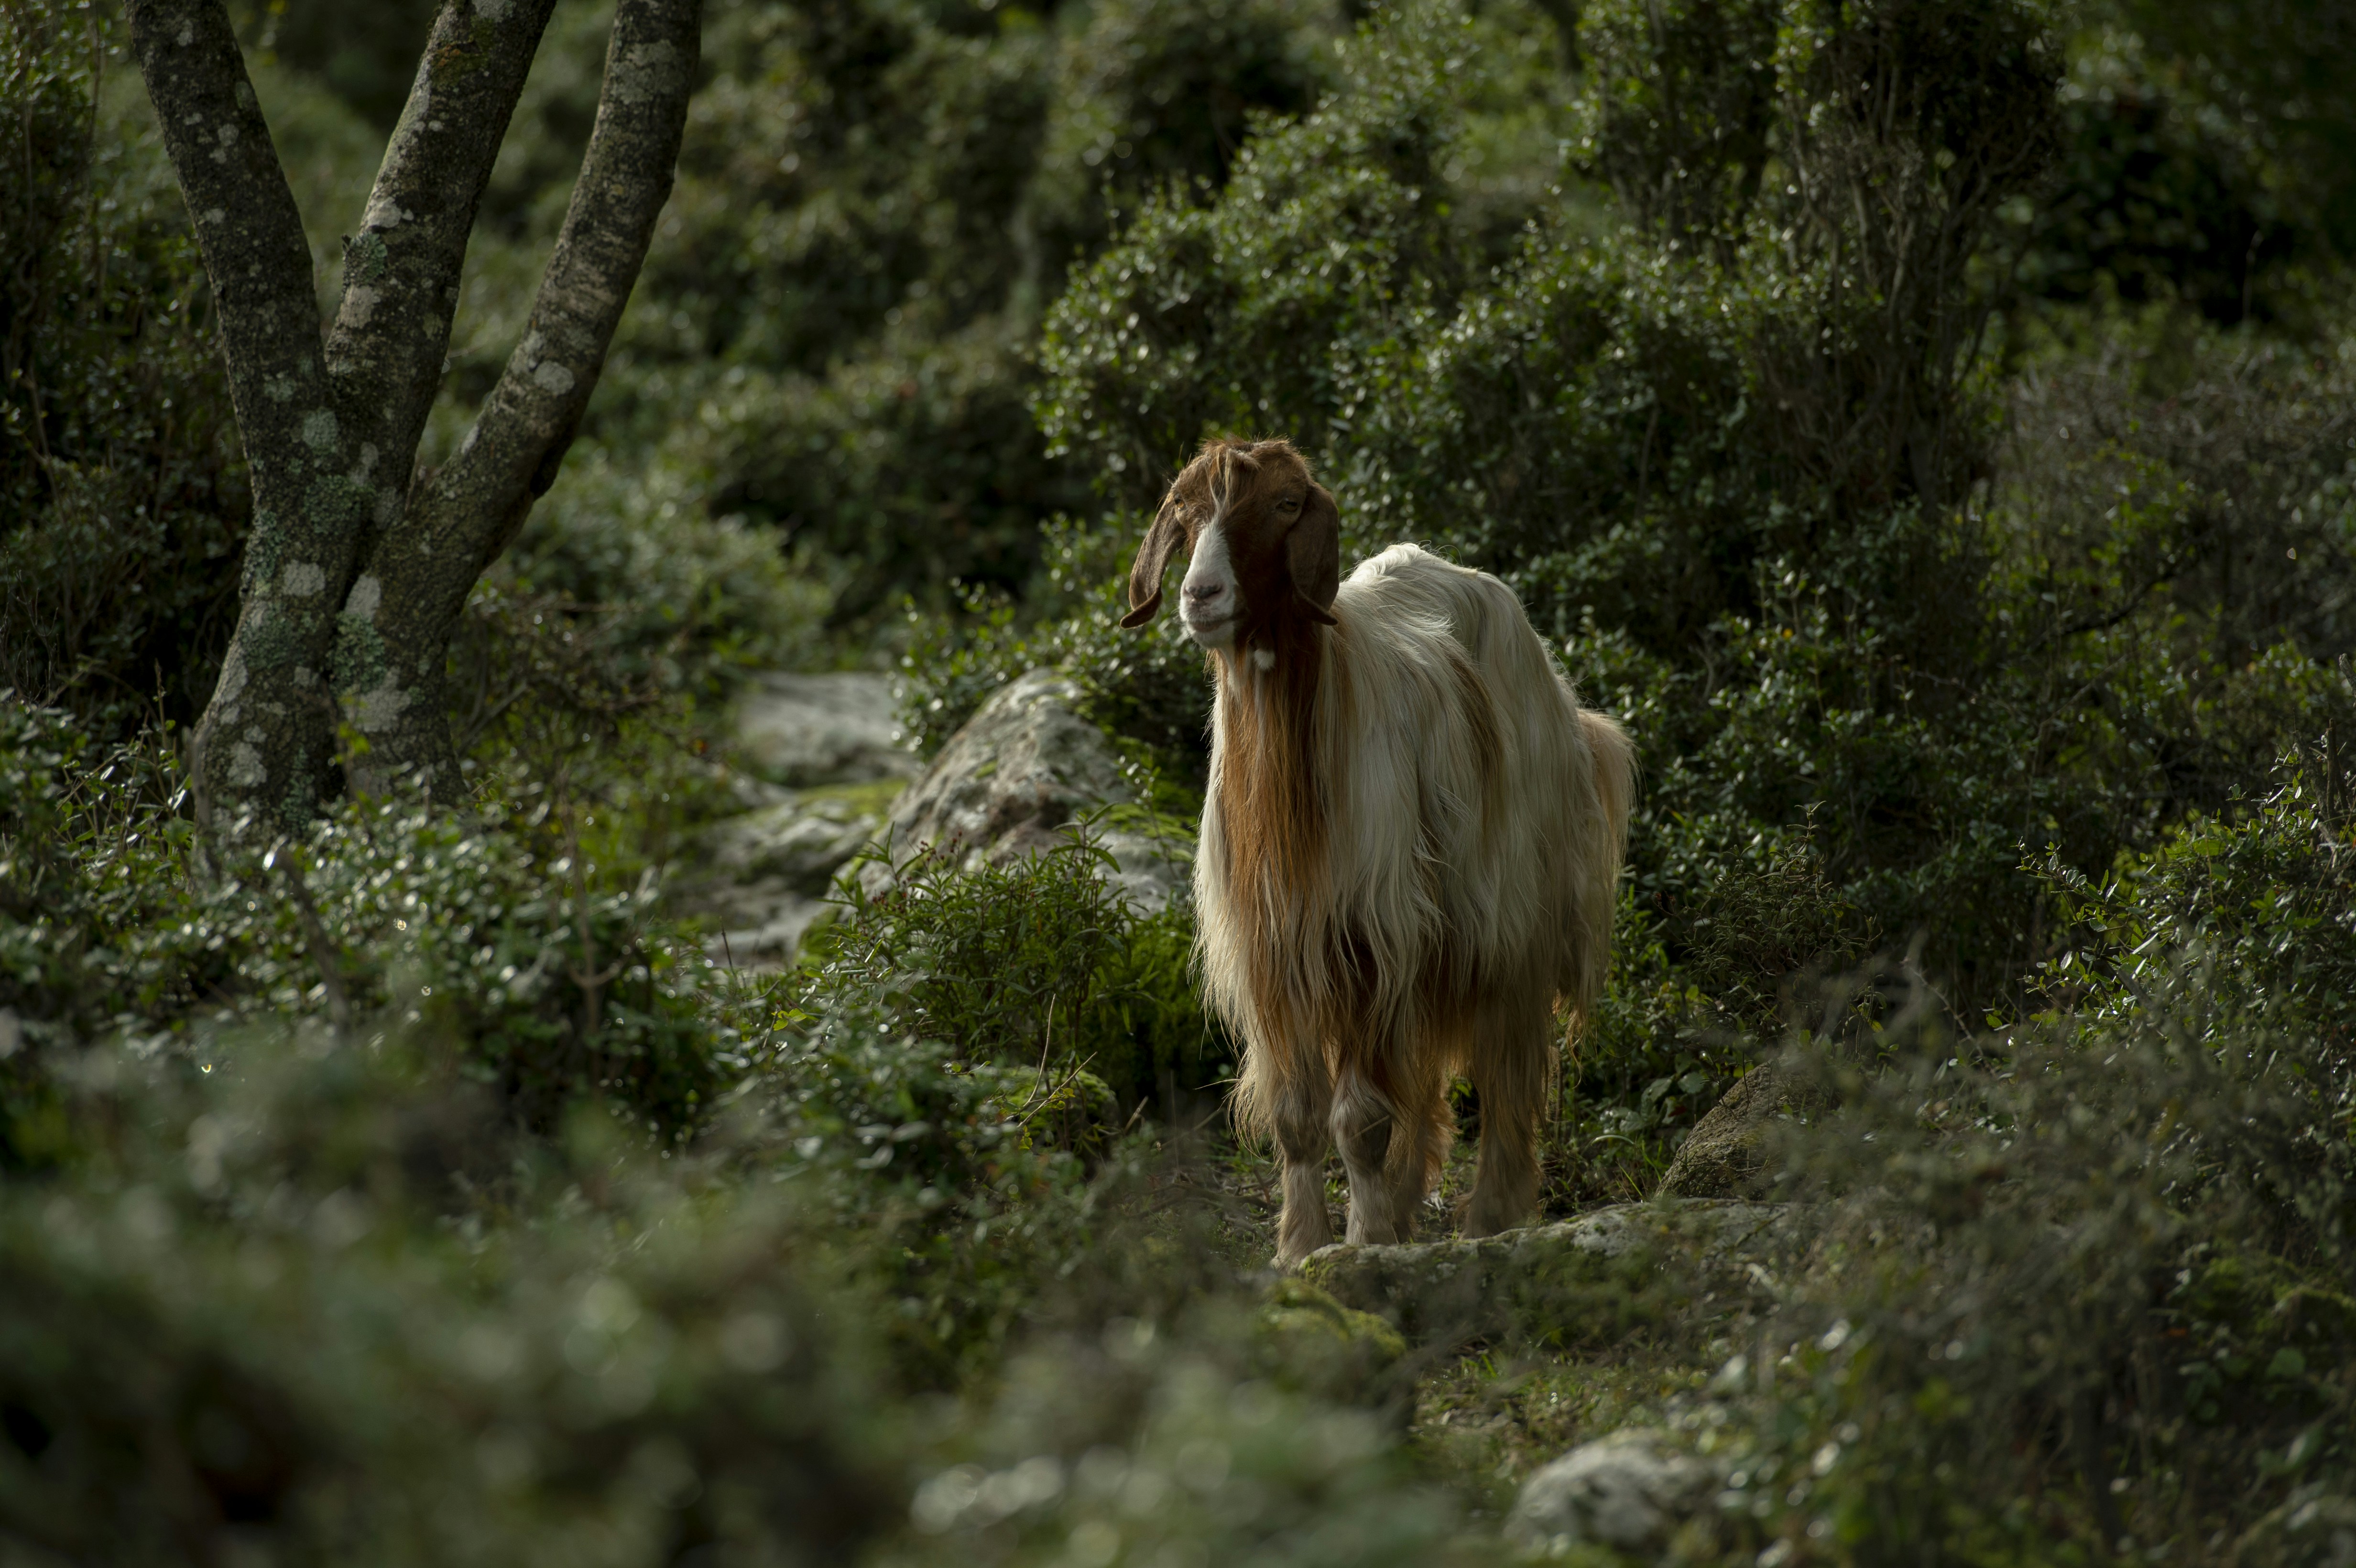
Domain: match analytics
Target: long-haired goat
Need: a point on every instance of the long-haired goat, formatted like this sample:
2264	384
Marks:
1409	851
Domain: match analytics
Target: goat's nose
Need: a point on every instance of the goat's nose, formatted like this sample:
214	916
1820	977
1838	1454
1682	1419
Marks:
1203	592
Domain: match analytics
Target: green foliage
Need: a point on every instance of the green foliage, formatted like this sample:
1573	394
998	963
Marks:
1040	964
2273	65
946	1179
1631	425
959	1054
121	924
269	1320
2263	896
1149	689
1248	312
876	202
2127	1240
1754	934
1135	1445
121	491
613	631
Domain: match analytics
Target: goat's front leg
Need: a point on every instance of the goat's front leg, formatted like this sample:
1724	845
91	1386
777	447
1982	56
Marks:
1364	1119
1301	1141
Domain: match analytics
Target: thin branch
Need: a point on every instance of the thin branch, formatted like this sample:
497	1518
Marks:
509	458
244	216
400	270
323	951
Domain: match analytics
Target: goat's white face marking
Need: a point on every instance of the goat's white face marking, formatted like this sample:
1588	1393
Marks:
1210	602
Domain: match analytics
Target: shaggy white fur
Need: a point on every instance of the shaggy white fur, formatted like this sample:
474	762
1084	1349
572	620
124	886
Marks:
1476	820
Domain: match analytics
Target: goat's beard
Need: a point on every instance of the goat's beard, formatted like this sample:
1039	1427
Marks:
1260	645
1270	781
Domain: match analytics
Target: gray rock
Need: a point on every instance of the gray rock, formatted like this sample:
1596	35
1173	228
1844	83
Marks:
1628	1491
804	730
823	762
763	877
1015	780
1730	1153
1612	1268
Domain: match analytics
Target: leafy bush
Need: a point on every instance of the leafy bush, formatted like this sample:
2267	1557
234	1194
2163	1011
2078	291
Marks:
2086	1291
598	656
1246	312
2260	895
874	204
1126	1445
253	1323
121	491
1042	965
121	922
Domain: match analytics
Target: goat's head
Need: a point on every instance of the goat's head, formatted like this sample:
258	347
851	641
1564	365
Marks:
1263	542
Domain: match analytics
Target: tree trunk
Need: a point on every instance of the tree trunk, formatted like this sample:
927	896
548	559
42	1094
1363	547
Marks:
355	576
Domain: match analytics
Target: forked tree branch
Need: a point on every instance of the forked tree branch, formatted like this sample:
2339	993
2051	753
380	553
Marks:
392	331
414	585
330	429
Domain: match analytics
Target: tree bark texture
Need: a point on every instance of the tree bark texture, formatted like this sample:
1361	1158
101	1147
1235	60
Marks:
391	644
351	585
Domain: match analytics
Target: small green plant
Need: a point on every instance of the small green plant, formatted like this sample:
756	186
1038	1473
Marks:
1040	964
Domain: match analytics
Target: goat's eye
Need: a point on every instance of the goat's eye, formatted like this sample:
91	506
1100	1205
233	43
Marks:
1288	505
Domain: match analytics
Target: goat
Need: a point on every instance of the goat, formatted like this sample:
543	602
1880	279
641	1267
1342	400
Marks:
1411	846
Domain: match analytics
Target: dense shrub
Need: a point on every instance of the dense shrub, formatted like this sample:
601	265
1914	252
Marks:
123	926
621	614
876	202
1040	965
2088	1290
254	1326
1136	1444
122	487
1249	310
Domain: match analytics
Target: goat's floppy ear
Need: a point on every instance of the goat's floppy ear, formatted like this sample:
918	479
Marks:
1153	558
1313	552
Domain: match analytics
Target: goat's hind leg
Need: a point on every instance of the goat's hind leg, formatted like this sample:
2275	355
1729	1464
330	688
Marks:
1512	1064
1422	1129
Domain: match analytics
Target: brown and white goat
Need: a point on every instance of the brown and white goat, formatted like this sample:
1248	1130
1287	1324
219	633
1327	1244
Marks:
1410	850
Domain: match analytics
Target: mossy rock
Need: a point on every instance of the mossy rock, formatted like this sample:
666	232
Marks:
1306	1340
1588	1281
1731	1153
